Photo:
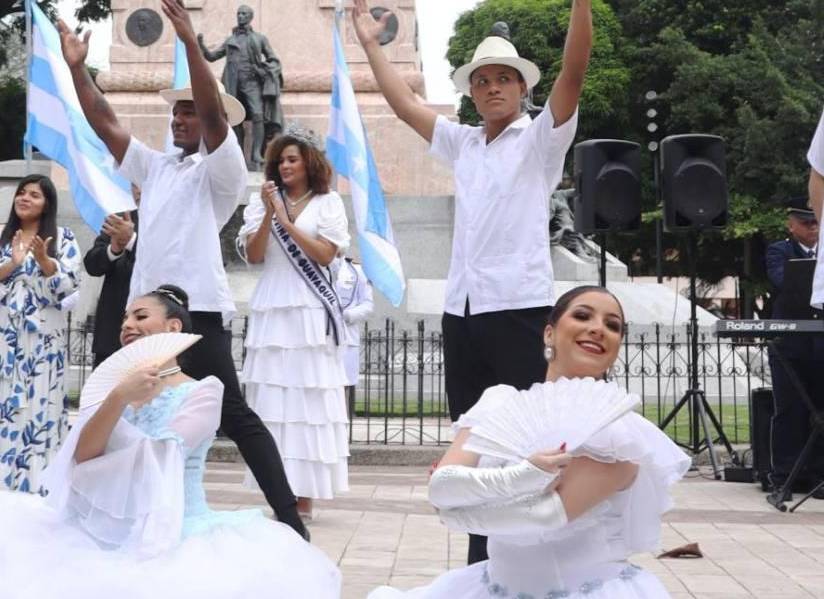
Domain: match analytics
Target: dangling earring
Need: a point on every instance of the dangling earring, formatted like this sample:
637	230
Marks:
549	353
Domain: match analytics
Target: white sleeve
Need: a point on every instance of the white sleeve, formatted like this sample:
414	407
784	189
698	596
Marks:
552	143
227	176
252	218
332	222
816	154
447	138
137	162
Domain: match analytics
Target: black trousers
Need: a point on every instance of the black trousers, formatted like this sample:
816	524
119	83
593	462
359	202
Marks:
212	355
790	427
484	350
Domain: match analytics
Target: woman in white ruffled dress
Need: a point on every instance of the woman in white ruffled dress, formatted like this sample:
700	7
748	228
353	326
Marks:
126	514
559	524
294	371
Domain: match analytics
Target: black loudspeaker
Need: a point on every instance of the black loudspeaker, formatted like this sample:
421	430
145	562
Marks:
762	407
608	186
694	182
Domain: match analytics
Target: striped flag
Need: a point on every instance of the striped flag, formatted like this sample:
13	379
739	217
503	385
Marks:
56	126
348	151
180	79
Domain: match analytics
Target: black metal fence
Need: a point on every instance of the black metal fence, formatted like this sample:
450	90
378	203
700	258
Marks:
401	398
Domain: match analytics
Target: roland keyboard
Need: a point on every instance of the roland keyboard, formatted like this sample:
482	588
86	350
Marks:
768	328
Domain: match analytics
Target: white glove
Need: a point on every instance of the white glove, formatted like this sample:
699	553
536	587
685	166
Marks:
458	486
524	516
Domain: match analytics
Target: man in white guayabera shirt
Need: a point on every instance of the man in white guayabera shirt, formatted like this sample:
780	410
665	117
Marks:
499	288
186	198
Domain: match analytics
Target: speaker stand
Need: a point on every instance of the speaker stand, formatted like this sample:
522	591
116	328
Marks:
701	414
602	271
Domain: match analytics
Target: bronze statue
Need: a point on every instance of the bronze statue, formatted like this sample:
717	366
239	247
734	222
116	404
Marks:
253	75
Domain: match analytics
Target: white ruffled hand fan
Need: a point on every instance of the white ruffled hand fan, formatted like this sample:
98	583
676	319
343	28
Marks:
146	351
548	414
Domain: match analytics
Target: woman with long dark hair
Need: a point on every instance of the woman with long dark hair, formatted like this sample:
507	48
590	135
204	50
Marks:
294	370
39	267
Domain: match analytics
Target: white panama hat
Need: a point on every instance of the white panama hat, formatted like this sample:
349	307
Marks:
495	50
235	113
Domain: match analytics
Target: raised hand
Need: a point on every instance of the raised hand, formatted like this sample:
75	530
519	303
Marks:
119	229
74	48
274	205
19	250
179	16
40	248
367	28
138	388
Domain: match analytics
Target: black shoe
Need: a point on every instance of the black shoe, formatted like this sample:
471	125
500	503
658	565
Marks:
774	488
819	493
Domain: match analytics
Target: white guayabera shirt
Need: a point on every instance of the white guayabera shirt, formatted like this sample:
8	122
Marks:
500	246
184	204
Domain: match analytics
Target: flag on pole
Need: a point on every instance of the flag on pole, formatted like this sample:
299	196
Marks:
348	151
180	79
56	126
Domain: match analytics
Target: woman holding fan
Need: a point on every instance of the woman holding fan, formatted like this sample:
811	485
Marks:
39	268
294	371
564	478
126	514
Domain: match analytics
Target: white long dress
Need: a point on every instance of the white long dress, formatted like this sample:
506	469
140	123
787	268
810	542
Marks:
134	523
293	371
588	558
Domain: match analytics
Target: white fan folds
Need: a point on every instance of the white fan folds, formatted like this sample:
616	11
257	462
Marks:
546	415
151	350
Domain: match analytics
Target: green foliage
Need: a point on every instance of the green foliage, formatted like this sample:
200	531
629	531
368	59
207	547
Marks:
538	29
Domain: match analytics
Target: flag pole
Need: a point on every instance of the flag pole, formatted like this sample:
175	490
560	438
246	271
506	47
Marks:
339	15
29	50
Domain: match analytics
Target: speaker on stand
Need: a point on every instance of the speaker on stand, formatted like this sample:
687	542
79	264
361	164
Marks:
607	190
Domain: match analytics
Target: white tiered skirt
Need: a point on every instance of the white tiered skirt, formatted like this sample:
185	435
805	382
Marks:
295	378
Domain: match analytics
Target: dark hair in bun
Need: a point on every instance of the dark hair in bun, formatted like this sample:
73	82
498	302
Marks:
176	303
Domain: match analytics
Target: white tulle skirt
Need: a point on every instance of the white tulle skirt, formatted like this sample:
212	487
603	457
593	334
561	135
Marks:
44	557
472	582
295	378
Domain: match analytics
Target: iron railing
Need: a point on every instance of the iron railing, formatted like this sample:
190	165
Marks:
401	397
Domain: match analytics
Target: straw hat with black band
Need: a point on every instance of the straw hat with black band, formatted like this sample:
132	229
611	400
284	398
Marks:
495	50
235	113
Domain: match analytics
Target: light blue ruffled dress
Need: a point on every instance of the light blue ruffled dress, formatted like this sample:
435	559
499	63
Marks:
134	523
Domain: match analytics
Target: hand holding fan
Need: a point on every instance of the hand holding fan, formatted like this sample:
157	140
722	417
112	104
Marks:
154	349
548	414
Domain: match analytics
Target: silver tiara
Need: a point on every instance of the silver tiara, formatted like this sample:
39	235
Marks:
303	134
169	294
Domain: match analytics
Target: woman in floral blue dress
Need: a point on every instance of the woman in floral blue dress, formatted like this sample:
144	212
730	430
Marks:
39	267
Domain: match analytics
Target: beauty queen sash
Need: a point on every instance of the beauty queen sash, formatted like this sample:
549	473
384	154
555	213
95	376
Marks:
314	278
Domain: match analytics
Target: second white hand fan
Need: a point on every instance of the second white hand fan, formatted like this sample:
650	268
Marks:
565	411
152	349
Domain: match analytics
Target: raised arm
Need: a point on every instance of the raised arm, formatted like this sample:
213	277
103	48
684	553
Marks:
205	93
398	94
95	107
566	90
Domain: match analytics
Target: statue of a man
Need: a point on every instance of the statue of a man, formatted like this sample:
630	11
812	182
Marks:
253	75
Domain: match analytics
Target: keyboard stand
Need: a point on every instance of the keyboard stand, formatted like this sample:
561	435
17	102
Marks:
779	497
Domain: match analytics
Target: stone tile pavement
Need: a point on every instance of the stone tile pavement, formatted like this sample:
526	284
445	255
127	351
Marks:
384	531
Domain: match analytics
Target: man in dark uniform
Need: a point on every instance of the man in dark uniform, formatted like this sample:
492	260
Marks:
791	421
253	75
112	257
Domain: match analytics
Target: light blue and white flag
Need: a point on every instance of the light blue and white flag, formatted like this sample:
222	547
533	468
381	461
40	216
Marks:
56	126
180	79
348	151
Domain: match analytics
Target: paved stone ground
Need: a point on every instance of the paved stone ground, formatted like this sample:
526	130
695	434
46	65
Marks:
384	531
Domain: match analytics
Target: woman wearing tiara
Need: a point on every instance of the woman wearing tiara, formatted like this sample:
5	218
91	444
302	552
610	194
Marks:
294	371
559	524
126	514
